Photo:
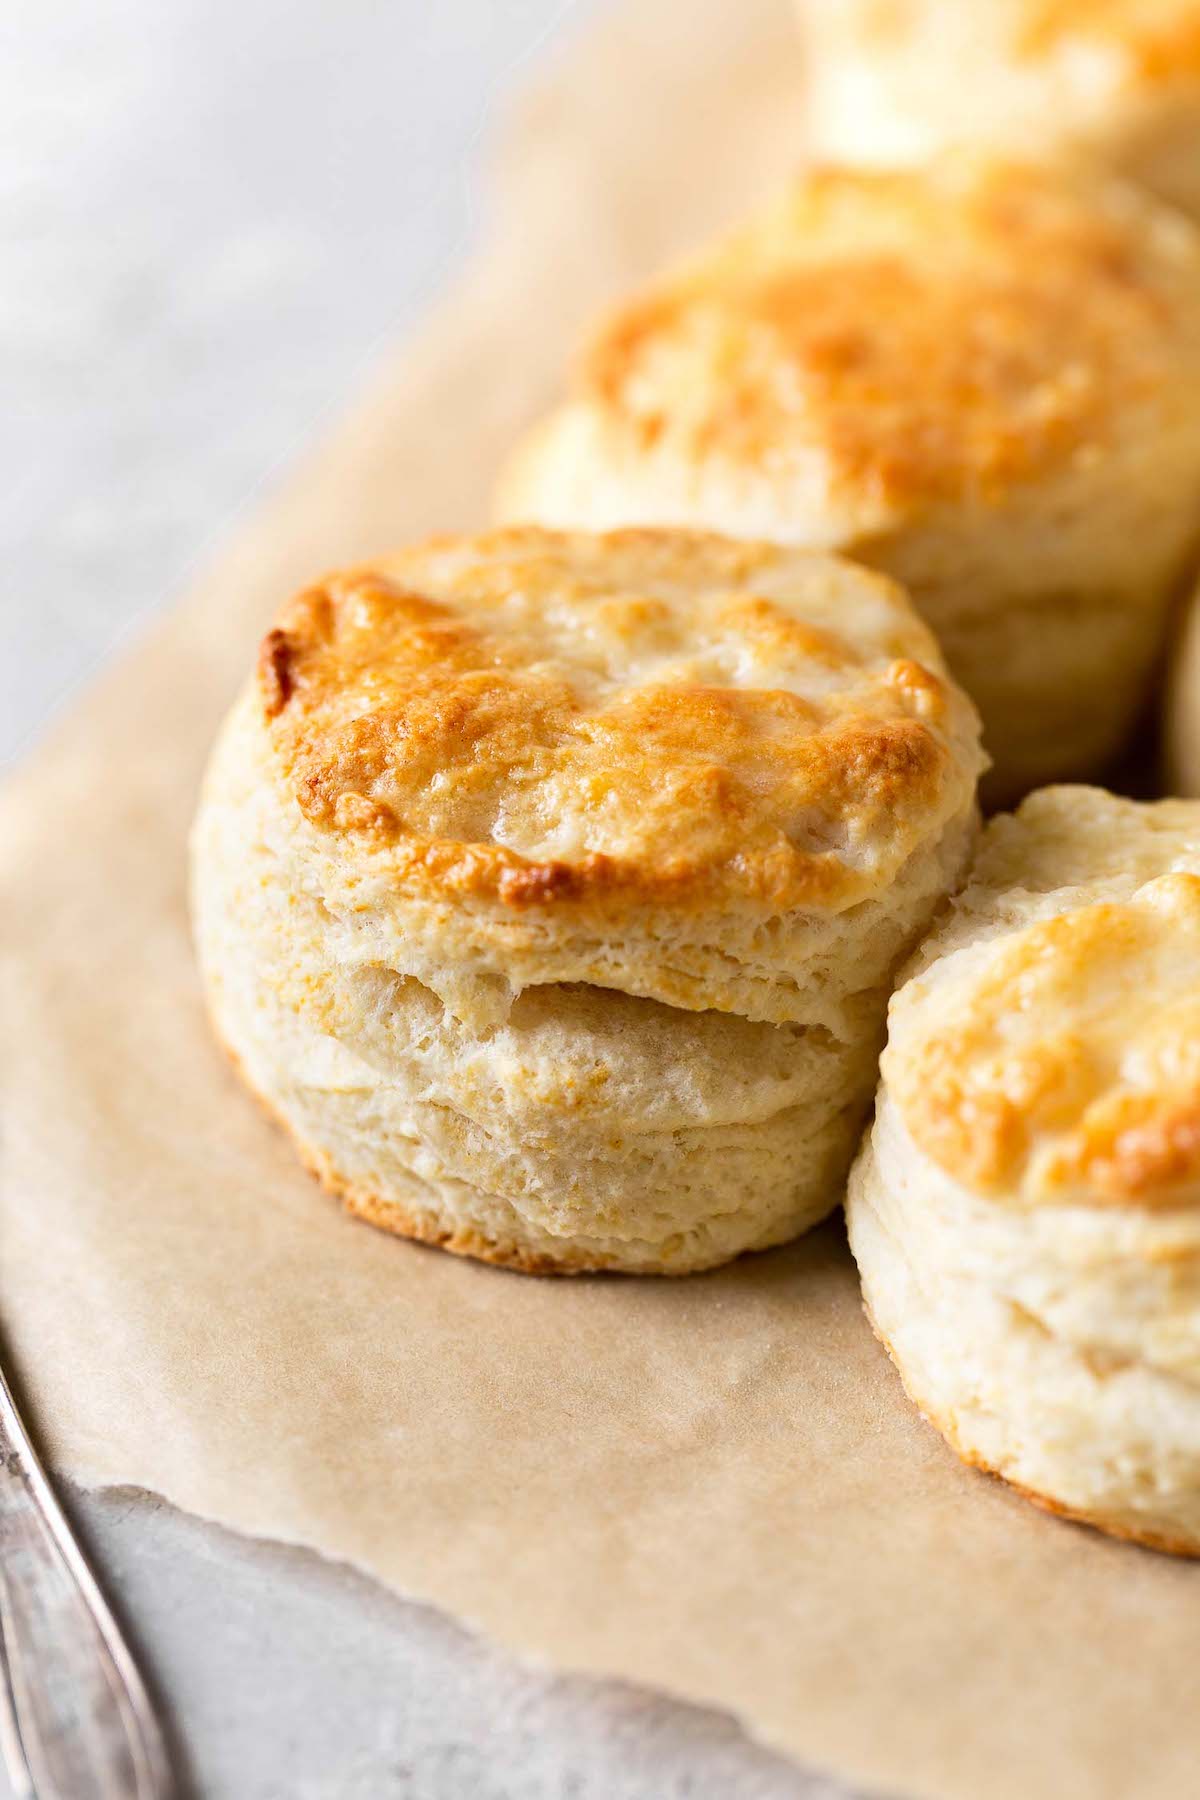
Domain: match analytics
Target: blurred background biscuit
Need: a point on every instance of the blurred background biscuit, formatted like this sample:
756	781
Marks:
549	888
981	378
897	81
1026	1211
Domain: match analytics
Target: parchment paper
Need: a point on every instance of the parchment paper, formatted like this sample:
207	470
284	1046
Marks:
714	1485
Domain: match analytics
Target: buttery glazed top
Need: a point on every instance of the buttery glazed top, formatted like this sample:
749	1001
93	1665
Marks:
906	337
537	719
1049	1048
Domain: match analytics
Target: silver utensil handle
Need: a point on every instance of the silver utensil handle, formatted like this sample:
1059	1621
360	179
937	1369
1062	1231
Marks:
75	1720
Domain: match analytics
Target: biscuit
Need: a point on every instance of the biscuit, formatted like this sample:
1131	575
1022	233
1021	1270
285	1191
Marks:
549	888
982	379
1025	1212
896	82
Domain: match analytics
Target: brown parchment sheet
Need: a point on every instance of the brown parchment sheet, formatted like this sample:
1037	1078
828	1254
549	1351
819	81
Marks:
713	1486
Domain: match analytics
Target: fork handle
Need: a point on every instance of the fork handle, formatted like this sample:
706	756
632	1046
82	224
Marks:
75	1719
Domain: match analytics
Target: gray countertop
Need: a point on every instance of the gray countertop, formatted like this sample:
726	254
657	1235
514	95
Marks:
195	279
291	1679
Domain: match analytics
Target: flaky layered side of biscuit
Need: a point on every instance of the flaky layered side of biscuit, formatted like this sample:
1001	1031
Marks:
1025	1212
979	377
900	81
548	888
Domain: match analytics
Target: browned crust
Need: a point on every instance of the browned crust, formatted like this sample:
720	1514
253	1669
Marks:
980	1095
1164	51
276	679
1146	1540
459	1240
377	679
914	371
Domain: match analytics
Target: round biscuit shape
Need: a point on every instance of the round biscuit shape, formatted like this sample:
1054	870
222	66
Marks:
1025	1211
979	377
548	887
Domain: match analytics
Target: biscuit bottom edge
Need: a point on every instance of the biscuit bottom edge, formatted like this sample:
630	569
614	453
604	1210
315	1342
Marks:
423	1226
459	1238
1110	1526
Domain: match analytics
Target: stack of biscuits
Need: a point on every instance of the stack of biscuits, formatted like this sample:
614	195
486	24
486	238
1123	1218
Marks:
570	891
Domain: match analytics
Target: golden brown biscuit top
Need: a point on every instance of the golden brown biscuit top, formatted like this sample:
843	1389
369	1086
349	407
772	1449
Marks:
909	337
1059	1061
537	719
1152	41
